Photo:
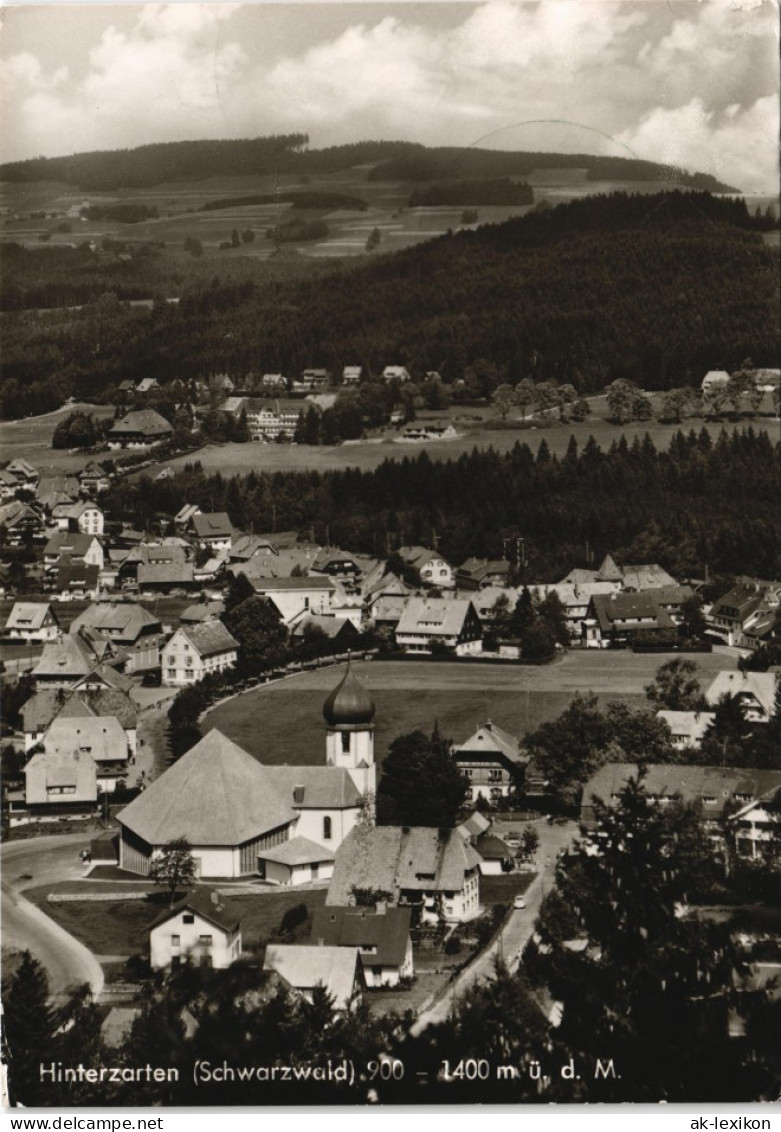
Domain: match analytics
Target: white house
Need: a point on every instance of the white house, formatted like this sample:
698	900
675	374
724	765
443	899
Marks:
430	869
294	596
61	783
101	737
336	969
396	373
756	692
201	929
450	623
32	621
756	827
87	516
687	727
196	650
431	567
381	934
490	763
213	530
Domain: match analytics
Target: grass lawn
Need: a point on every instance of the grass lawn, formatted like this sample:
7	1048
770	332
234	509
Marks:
117	927
283	722
427	985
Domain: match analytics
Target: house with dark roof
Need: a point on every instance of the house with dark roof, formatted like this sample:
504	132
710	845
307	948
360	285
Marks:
490	763
381	934
477	573
646	576
139	429
246	547
19	519
433	871
616	619
202	928
336	564
431	623
747	607
78	580
165	577
122	621
717	789
212	530
31	621
74	547
194	651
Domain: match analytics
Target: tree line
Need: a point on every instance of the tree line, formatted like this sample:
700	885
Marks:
699	502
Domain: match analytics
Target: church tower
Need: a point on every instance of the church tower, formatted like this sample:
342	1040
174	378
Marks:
348	712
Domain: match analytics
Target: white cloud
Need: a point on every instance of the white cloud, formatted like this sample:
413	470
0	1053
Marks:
733	145
697	91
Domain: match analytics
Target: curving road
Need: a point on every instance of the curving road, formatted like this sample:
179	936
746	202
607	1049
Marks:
516	932
28	864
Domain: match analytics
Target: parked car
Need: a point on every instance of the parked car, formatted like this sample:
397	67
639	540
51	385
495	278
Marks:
513	839
519	902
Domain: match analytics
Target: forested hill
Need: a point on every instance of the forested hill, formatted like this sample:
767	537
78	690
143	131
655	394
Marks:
149	165
657	289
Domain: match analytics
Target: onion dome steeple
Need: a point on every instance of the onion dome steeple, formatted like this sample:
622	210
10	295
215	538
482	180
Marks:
349	704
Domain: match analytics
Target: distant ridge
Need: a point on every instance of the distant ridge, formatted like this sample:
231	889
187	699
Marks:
149	165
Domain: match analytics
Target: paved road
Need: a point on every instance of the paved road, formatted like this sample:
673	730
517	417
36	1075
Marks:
517	930
45	860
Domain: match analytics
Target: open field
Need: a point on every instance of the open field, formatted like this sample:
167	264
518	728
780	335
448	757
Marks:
32	439
283	723
240	459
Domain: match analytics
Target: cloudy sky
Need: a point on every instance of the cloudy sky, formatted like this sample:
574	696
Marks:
693	84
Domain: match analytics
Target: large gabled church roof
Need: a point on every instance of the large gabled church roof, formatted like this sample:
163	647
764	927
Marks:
215	794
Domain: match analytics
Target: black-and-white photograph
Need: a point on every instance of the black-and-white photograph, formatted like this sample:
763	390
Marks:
390	554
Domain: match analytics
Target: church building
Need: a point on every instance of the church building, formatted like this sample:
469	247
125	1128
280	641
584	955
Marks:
243	818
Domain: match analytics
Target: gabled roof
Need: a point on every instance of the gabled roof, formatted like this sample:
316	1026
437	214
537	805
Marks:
209	638
760	686
116	702
165	573
29	615
479	568
246	546
492	848
80	574
72	543
22	467
41	708
624	610
418	556
147	422
213	524
690	783
333	627
67	656
315	787
186	513
123	620
207	903
688	724
291	585
399	859
334	968
491	738
297	851
202	611
385	932
432	616
47	770
102	737
215	794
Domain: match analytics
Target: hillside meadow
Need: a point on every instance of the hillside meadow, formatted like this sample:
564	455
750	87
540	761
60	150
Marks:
283	722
